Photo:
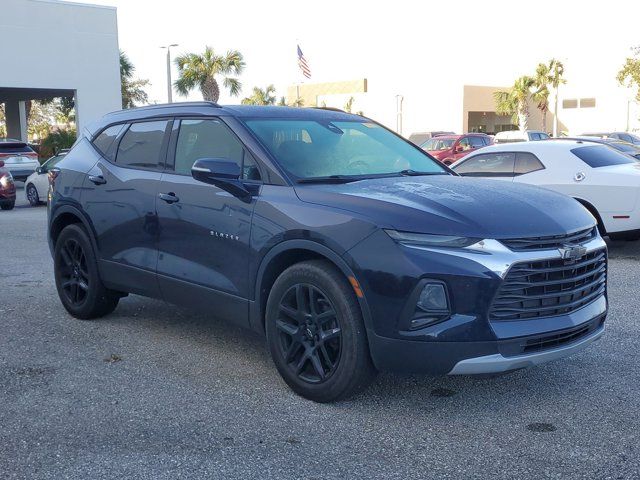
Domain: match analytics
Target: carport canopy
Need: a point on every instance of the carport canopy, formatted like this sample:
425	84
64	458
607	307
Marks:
14	105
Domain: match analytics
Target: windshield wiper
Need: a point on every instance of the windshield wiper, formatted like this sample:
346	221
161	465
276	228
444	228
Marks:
414	173
330	179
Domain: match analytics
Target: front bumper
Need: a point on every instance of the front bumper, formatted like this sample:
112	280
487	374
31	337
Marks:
498	363
469	342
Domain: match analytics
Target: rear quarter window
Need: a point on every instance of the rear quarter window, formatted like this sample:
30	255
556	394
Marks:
104	141
601	156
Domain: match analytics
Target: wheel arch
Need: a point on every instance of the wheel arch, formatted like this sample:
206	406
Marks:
594	211
281	257
68	215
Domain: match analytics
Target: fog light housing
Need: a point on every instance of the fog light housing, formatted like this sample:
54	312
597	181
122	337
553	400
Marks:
433	298
432	305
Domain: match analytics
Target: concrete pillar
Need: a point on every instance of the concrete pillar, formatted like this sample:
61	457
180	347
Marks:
16	117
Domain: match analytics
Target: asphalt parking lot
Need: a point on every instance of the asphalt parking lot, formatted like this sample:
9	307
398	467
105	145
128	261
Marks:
154	391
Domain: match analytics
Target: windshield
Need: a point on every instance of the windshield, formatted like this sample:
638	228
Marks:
309	149
437	144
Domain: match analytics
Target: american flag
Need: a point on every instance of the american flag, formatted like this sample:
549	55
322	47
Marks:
302	63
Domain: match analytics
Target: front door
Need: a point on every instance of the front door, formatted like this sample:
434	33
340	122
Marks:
204	231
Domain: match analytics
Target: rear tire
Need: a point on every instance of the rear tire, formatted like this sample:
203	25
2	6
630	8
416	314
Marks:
8	205
32	195
77	279
316	334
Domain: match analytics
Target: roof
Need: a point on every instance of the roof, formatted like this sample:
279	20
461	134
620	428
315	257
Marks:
211	108
551	144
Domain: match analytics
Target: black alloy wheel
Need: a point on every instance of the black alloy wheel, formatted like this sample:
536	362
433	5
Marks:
78	282
309	333
74	272
316	333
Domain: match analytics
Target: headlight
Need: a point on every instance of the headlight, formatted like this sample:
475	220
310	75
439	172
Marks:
428	240
5	181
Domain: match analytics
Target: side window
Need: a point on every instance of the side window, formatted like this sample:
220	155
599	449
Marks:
464	143
476	142
141	145
526	163
534	136
210	138
497	164
104	141
625	137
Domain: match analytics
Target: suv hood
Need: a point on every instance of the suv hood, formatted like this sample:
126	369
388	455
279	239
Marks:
452	205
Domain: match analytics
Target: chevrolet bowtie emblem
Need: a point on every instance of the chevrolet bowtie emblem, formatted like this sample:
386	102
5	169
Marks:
571	253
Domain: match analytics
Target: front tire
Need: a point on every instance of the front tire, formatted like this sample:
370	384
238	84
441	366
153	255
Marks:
77	279
8	205
316	334
32	195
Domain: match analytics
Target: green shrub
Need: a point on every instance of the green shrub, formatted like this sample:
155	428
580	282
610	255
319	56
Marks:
56	141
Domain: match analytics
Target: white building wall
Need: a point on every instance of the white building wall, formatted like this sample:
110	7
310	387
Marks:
60	45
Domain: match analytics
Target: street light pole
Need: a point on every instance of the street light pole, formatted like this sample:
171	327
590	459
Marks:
169	85
399	102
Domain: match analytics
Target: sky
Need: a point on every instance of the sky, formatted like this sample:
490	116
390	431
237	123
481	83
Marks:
401	47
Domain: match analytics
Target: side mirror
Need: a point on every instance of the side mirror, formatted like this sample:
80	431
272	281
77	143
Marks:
222	173
39	170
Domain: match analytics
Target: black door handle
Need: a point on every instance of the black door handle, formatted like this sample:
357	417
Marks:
168	197
97	179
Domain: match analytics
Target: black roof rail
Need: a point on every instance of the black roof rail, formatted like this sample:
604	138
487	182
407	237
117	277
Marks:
332	109
203	103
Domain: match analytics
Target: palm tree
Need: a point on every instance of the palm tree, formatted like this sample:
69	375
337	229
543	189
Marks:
541	93
349	105
556	74
261	97
200	71
132	90
515	101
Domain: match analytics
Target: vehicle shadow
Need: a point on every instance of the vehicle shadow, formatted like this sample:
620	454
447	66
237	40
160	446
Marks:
213	354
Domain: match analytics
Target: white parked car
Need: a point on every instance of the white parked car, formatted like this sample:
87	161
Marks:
511	136
36	185
604	180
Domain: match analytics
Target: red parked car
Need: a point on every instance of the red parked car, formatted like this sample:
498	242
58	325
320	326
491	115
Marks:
450	148
7	188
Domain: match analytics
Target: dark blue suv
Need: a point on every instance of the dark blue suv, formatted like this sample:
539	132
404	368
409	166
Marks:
349	248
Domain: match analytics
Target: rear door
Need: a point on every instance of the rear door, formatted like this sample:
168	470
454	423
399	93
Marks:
204	230
120	197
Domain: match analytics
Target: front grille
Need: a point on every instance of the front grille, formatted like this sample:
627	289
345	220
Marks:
547	288
556	241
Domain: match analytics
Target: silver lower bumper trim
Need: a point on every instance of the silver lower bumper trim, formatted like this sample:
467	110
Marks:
498	363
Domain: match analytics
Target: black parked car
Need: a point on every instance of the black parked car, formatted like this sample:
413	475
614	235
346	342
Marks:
350	248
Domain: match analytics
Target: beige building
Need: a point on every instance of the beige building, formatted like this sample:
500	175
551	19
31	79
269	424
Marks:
585	105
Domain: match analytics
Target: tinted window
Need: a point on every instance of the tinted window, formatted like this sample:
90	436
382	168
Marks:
211	139
476	142
526	163
438	144
52	162
600	156
497	164
104	141
15	147
141	146
318	148
624	136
